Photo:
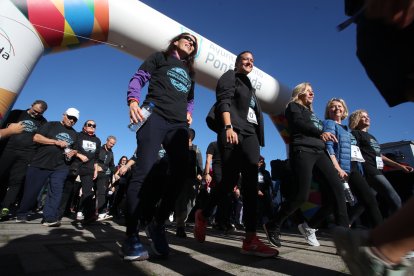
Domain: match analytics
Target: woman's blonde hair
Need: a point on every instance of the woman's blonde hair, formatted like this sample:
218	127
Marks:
355	117
328	106
298	91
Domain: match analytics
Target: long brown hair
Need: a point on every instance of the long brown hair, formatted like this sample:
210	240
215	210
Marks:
355	117
190	58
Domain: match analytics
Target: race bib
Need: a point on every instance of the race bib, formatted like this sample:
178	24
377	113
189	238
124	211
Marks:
356	154
260	178
251	116
380	163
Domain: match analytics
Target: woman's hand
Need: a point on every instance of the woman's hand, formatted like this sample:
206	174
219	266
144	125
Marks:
327	136
135	113
208	179
406	168
231	136
398	12
189	118
122	170
342	174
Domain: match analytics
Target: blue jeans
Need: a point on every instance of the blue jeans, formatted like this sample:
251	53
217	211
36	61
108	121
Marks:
384	188
36	178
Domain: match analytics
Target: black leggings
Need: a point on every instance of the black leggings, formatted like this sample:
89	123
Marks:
302	162
174	138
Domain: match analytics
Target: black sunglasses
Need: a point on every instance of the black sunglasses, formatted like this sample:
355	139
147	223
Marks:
73	118
91	125
190	39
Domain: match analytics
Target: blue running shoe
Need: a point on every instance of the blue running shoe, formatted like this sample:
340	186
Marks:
159	242
133	250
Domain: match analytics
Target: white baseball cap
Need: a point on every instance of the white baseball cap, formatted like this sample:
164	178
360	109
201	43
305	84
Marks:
72	112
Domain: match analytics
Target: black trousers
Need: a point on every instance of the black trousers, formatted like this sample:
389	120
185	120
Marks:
14	164
303	162
101	185
174	138
237	160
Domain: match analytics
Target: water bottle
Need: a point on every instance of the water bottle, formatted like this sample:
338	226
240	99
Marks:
146	112
349	197
65	151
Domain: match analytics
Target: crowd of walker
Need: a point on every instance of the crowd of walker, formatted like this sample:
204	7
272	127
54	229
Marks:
49	166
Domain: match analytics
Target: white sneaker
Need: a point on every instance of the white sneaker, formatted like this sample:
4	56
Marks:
104	216
309	234
79	216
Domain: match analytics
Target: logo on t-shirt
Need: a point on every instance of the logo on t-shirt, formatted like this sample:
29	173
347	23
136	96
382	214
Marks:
63	136
316	122
29	126
89	146
375	146
179	79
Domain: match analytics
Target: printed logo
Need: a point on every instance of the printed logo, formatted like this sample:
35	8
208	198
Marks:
316	122
63	136
179	79
89	146
6	47
252	103
29	126
375	146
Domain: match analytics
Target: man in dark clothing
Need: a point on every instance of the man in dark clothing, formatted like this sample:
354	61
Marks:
18	151
85	165
50	164
106	167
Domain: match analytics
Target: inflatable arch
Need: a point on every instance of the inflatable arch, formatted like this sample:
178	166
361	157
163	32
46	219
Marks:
29	28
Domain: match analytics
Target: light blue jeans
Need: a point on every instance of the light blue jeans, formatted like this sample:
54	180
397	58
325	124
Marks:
384	188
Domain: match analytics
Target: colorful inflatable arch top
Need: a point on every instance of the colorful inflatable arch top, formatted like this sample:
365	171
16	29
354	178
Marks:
31	28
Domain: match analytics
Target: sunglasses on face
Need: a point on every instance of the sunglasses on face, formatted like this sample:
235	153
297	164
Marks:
72	118
91	125
189	39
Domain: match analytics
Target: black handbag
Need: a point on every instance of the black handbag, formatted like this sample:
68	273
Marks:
212	120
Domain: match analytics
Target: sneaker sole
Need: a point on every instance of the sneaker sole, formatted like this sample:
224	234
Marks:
258	254
105	218
302	231
51	225
142	257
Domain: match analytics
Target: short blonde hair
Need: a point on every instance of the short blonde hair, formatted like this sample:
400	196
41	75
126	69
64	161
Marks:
355	117
298	91
328	105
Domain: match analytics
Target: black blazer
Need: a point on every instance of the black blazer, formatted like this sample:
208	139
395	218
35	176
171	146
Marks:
233	93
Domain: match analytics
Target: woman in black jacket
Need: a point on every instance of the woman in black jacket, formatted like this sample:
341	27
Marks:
239	139
307	155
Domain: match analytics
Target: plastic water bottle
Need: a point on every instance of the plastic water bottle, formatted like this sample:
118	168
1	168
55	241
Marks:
146	112
65	151
349	197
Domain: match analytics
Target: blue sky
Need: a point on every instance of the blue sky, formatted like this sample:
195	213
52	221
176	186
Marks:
293	41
